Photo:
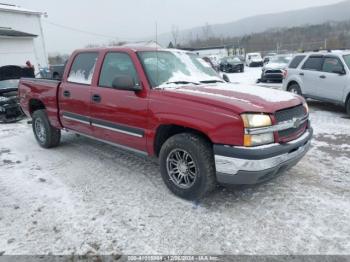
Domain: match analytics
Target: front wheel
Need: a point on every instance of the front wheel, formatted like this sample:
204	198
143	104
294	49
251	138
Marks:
187	166
46	135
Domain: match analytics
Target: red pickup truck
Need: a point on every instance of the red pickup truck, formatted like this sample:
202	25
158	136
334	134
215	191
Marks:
172	105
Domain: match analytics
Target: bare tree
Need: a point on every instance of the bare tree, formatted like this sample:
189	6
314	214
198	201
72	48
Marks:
207	31
175	33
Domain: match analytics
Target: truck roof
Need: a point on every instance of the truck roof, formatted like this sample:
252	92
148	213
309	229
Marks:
128	48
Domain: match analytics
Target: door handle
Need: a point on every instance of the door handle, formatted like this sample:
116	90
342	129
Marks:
66	93
96	98
301	74
323	77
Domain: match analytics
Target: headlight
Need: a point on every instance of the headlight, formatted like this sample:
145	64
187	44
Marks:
258	140
252	121
256	120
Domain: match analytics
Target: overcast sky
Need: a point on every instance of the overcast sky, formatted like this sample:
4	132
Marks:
135	19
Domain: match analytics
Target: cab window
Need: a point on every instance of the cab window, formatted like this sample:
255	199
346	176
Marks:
83	68
347	60
116	64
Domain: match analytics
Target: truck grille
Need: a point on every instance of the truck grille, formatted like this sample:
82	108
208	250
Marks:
273	72
289	114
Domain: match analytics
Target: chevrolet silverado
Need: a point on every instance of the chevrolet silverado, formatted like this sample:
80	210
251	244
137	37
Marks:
172	105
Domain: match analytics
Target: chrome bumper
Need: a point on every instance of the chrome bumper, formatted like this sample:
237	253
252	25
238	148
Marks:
238	165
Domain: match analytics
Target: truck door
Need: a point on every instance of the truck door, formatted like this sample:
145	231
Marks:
75	93
333	79
119	116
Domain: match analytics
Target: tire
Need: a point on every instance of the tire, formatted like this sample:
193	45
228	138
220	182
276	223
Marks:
295	88
348	106
46	135
199	167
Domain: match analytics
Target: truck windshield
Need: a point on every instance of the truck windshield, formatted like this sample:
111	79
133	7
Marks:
171	68
281	59
347	60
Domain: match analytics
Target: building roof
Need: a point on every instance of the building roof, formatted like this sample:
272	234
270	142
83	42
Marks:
206	48
9	32
18	9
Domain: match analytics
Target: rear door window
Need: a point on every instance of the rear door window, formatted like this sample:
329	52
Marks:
332	65
296	61
83	68
313	63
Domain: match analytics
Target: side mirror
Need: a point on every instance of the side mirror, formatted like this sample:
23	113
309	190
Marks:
125	82
339	71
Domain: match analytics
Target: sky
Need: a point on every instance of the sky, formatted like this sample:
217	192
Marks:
68	22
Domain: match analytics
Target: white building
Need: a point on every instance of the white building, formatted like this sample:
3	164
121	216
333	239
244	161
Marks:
21	37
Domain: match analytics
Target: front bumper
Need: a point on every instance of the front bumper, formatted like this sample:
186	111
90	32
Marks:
11	114
256	64
244	166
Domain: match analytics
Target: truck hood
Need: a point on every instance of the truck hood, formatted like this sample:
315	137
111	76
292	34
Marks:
275	66
238	98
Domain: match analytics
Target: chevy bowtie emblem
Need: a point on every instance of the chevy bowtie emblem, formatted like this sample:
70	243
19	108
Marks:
297	122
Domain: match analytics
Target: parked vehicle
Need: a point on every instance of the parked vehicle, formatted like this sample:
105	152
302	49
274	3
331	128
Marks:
56	71
168	104
273	71
254	59
231	65
267	58
10	110
321	76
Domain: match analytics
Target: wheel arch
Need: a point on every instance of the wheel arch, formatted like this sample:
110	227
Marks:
166	131
35	104
292	82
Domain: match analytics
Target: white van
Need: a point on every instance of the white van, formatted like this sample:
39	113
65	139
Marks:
254	59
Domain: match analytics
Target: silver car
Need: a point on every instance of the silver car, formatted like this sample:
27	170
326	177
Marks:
273	71
323	76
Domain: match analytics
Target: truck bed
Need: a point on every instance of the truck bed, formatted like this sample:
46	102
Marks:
33	90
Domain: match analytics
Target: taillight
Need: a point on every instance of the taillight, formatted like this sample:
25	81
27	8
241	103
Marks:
285	74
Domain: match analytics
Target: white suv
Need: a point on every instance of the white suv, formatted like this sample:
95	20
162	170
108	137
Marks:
321	76
254	59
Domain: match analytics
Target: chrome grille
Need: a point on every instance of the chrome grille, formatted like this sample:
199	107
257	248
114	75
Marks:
289	114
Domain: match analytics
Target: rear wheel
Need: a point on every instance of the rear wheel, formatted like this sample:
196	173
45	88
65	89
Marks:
295	88
187	166
46	135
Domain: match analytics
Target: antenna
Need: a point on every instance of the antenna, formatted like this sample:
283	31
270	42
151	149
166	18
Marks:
157	51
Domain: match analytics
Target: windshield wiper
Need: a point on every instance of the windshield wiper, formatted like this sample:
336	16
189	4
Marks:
182	83
211	81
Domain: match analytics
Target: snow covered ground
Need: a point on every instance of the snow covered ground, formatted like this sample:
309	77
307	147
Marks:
86	197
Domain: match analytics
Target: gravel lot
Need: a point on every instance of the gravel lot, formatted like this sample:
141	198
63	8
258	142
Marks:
86	197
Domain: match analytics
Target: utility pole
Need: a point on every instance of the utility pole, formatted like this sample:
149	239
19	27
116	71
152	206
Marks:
325	43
